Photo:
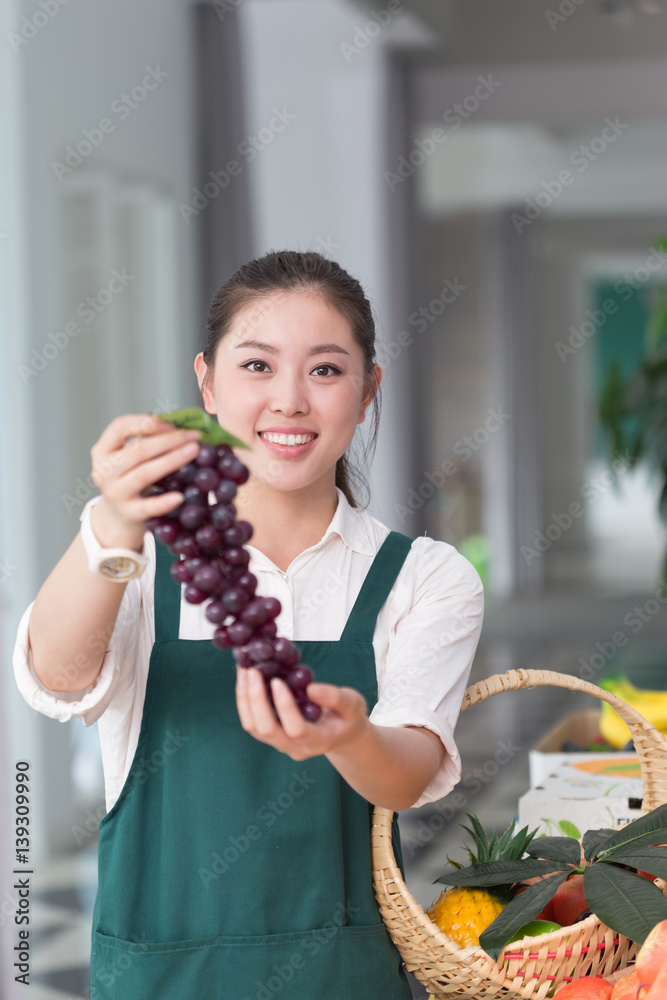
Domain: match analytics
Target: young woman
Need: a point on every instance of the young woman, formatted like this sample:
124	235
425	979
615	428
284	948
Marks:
234	859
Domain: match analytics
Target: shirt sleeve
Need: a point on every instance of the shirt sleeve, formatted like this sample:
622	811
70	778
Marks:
116	671
431	647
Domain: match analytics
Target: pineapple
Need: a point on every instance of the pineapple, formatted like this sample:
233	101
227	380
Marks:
463	913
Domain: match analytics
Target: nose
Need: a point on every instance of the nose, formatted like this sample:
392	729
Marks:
289	394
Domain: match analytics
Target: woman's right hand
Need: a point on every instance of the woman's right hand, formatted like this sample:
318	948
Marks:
122	469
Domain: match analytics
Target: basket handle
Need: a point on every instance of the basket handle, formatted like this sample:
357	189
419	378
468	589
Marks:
650	744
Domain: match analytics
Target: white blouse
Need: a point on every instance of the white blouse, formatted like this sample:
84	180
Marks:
425	638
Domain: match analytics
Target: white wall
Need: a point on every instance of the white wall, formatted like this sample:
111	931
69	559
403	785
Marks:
71	72
319	185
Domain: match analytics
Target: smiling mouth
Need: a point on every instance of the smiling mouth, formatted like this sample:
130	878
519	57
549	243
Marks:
287	439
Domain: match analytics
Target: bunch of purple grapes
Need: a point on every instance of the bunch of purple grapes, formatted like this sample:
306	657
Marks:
213	565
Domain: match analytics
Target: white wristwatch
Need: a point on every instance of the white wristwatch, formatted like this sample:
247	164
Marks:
119	565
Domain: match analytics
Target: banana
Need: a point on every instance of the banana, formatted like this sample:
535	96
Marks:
651	704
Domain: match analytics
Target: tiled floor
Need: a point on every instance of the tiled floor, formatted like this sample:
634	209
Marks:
554	634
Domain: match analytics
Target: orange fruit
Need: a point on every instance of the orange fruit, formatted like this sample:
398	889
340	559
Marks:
586	988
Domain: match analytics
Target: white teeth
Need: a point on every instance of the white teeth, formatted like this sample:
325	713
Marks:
288	439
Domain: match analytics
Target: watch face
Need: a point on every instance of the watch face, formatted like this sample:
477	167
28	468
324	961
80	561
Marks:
119	568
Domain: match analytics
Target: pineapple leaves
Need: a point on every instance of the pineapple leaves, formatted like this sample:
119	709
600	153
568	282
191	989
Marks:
563	849
499	873
627	902
519	911
193	418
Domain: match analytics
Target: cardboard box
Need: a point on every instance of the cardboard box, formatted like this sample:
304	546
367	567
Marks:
546	756
604	790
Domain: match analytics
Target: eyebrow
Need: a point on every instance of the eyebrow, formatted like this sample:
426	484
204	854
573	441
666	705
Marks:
319	349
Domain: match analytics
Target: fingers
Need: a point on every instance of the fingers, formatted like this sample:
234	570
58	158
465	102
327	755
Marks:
293	723
128	425
345	701
255	711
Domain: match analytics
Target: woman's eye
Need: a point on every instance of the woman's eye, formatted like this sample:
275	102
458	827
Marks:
327	370
250	365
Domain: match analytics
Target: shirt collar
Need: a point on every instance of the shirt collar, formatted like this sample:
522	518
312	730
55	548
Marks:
351	525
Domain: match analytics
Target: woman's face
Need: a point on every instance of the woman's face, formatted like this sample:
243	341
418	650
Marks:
288	380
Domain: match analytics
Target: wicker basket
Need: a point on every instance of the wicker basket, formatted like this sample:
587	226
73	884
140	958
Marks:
532	967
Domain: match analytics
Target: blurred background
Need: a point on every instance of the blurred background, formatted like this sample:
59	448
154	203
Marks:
495	174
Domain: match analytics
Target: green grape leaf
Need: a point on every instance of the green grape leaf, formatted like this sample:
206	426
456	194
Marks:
624	901
193	418
564	849
519	911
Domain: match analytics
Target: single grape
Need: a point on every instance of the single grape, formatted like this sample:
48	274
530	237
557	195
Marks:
167	533
194	595
206	455
310	711
236	556
269	669
231	467
247	529
248	581
269	629
209	538
235	599
219	516
186	546
239	633
221	639
272	606
186	473
192	516
208	578
260	649
298	678
216	612
234	535
225	491
240	654
179	572
206	479
172	483
193	494
285	652
222	450
254	613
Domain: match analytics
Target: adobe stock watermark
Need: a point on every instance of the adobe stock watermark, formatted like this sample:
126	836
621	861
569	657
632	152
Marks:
596	318
590	491
454	117
474	780
267	815
420	319
308	947
224	7
87	310
248	149
566	9
93	137
31	26
634	620
364	34
581	158
464	448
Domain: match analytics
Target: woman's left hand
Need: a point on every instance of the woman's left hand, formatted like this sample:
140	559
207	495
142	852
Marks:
344	715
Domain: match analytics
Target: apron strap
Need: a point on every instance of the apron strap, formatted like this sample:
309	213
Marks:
166	596
376	586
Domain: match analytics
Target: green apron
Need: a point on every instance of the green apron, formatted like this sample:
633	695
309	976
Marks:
227	870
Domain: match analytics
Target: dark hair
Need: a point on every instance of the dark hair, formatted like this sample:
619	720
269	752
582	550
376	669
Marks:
294	271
